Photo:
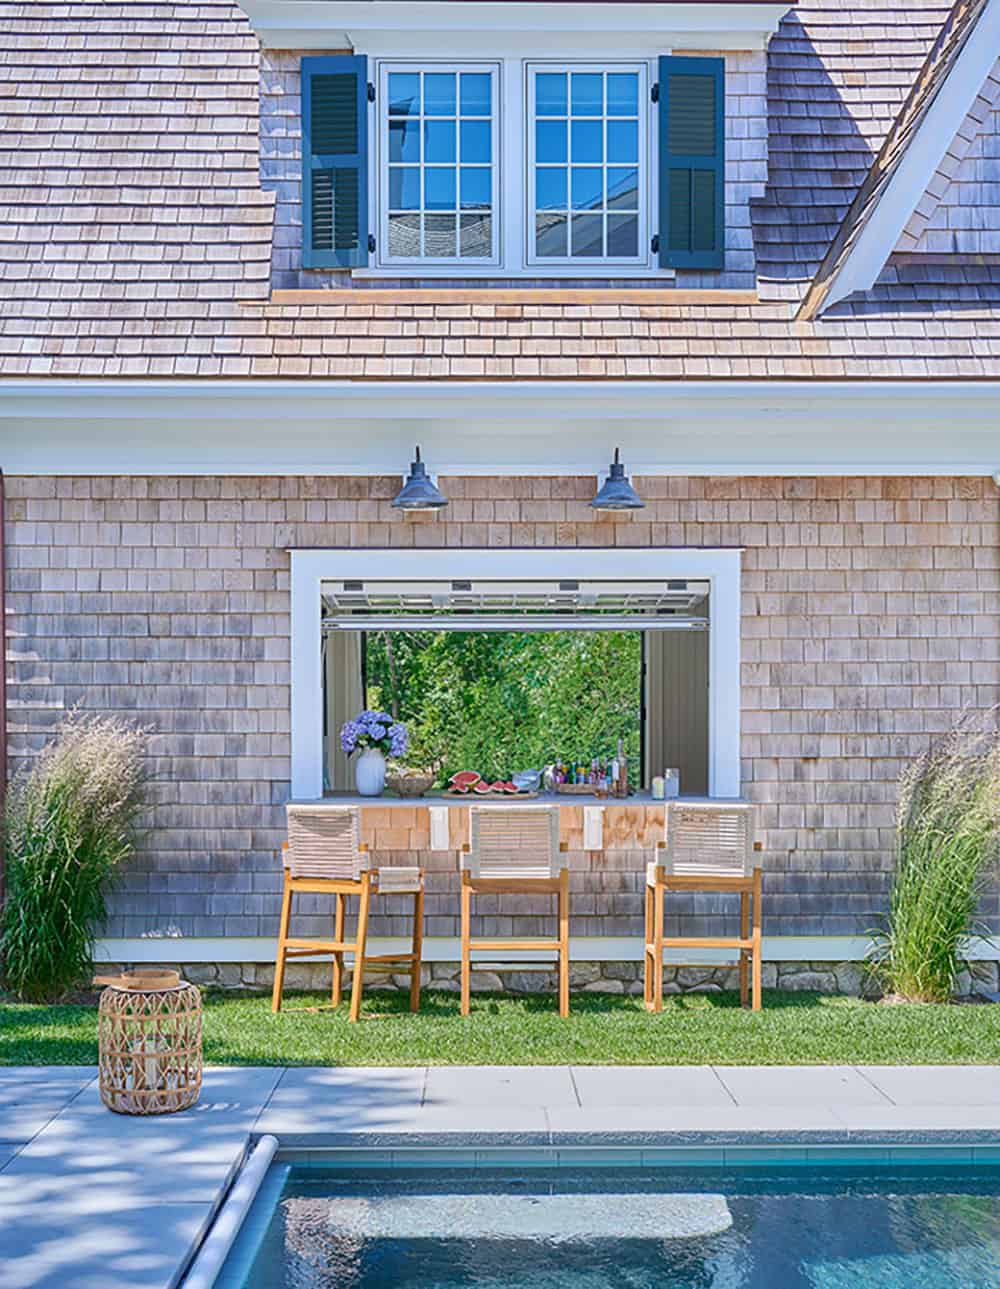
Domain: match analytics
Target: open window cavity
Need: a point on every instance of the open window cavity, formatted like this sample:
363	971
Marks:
553	670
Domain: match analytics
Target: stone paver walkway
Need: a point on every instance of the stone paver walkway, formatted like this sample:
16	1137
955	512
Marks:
93	1200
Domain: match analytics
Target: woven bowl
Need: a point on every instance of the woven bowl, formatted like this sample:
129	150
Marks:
411	785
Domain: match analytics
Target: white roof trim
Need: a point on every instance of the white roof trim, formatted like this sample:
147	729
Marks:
488	428
375	26
924	154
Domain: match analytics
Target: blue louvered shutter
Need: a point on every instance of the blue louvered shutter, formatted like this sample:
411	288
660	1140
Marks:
335	162
692	110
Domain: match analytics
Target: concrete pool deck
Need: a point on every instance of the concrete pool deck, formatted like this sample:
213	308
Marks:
94	1200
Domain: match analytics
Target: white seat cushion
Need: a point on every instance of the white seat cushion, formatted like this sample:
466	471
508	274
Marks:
399	880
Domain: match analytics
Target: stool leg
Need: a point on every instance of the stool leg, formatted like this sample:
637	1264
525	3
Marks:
466	954
744	935
417	949
279	965
658	895
359	947
564	942
338	958
647	936
757	939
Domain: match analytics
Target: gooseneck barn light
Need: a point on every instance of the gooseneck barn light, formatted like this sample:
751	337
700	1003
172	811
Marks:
418	492
616	493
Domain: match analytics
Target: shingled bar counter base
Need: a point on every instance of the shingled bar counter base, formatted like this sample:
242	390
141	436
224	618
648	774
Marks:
149	1039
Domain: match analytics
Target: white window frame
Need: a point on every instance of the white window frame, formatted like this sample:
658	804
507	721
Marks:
720	567
511	177
643	257
381	154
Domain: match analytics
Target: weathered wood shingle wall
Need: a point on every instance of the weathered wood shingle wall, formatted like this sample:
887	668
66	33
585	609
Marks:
871	615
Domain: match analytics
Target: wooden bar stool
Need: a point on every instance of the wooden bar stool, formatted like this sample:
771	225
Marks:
324	855
515	851
707	847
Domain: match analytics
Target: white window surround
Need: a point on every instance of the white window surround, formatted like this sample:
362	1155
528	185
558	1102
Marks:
721	567
513	179
379	181
645	162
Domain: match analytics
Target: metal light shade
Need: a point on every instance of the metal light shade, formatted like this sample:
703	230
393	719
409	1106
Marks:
616	493
418	492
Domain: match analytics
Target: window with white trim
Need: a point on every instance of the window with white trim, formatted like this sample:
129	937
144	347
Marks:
439	175
587	164
516	167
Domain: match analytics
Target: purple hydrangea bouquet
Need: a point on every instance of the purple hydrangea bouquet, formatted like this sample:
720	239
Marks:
375	735
375	730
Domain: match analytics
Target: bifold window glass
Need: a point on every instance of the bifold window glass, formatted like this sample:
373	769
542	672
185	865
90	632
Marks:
587	145
439	175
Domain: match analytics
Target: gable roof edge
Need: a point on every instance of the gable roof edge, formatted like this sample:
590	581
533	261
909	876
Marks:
914	147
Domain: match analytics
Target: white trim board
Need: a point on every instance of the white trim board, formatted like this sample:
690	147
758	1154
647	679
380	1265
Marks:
499	428
261	949
721	568
923	154
387	26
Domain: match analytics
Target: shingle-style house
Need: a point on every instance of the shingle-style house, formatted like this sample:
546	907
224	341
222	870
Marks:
252	255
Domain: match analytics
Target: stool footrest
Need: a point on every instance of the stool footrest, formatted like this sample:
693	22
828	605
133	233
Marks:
688	942
515	946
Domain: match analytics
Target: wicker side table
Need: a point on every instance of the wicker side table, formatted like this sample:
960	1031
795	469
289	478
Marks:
149	1043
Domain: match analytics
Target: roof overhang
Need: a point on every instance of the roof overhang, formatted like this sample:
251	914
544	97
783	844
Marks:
446	27
506	428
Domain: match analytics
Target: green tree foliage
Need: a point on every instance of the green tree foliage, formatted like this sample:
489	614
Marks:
498	702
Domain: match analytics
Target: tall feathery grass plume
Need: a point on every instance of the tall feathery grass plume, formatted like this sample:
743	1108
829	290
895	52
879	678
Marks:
71	822
947	844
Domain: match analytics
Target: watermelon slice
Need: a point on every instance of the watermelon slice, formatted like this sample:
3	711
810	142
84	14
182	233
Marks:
464	780
498	785
511	788
483	788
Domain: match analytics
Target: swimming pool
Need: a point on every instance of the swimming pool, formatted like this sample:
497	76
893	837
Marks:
780	1220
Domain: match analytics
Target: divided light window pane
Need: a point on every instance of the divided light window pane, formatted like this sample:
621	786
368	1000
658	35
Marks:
438	130
587	161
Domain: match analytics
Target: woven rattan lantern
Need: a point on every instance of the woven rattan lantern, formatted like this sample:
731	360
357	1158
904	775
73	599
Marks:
149	1028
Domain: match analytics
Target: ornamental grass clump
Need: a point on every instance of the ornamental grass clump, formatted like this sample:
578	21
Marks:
947	840
71	821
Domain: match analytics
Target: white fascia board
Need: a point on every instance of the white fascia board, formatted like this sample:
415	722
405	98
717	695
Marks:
260	949
379	26
499	428
924	152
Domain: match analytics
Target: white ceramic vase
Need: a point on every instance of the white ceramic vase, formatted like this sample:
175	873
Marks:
369	772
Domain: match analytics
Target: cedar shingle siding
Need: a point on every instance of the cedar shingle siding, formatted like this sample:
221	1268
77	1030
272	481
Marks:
871	614
150	175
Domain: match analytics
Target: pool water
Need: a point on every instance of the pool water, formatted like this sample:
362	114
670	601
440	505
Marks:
633	1228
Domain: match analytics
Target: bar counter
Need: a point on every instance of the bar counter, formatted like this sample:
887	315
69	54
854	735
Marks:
440	821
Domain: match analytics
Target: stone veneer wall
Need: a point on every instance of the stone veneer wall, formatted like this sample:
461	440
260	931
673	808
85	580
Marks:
589	977
871	615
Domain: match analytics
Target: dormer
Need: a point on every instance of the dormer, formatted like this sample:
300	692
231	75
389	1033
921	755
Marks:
505	141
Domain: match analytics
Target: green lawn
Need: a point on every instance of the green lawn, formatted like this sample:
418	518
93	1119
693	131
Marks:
794	1028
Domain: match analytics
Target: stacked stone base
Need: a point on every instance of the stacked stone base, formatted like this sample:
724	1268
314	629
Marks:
849	978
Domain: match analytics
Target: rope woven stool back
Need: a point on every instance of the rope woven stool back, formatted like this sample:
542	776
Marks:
521	841
709	840
324	842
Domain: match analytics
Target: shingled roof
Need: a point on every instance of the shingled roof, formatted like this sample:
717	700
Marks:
138	242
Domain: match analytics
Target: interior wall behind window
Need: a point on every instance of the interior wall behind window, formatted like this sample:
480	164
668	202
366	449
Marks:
344	685
677	707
